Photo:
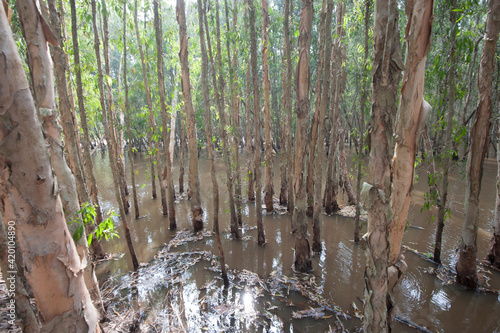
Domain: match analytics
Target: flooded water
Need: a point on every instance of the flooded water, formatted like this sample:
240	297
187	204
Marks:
338	271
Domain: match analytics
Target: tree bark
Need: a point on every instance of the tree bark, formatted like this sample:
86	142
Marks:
315	122
344	172
466	264
411	117
183	150
376	194
261	237
30	196
196	209
96	247
248	143
302	79
268	188
208	133
494	251
112	161
165	135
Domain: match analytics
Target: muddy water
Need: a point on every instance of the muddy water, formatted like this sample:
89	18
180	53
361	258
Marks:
338	271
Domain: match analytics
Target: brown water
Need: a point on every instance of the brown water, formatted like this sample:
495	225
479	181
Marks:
338	271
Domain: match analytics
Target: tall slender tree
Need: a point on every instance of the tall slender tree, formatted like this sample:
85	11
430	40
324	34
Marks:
112	161
194	181
387	65
97	250
268	188
261	236
165	135
299	222
466	264
208	135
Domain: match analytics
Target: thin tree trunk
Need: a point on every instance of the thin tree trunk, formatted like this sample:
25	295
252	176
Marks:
127	111
235	113
96	247
361	144
318	172
196	209
173	121
183	150
30	197
449	129
261	236
466	264
338	77
344	171
268	188
315	122
411	117
208	133
387	65
248	145
107	131
165	135
286	137
152	125
299	223
112	138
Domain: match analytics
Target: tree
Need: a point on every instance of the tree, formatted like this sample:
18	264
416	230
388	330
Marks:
208	134
387	66
196	210
299	222
268	189
107	130
30	197
466	264
261	237
166	138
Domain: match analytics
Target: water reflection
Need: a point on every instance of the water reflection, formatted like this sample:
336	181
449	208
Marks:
338	271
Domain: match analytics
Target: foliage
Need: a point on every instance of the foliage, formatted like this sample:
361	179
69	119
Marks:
86	216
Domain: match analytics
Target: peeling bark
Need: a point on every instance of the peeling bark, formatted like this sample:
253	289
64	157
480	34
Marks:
302	79
29	195
466	264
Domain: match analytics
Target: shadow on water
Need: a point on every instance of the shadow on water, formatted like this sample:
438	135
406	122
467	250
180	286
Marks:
180	290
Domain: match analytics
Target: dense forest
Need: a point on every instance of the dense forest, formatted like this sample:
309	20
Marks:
320	165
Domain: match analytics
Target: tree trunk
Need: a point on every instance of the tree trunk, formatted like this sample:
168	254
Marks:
127	112
494	252
248	144
96	247
196	209
112	161
338	77
183	149
165	135
235	110
318	172
30	197
286	135
466	264
411	117
344	171
208	133
173	121
302	79
261	236
315	122
361	143
112	138
376	194
268	188
449	129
